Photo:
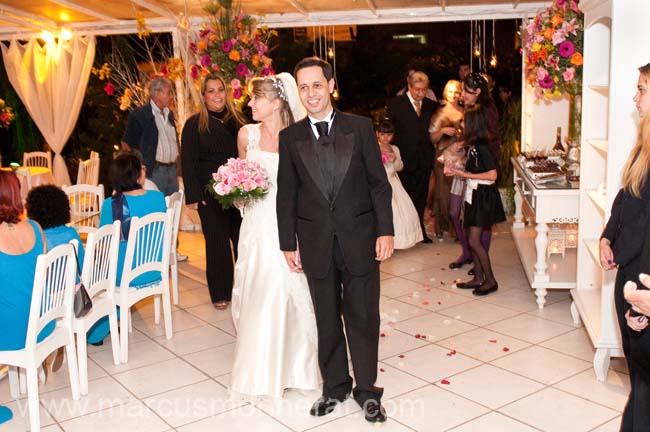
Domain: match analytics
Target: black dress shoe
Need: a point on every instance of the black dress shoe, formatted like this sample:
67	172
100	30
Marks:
470	272
325	405
468	285
374	412
456	264
485	290
426	239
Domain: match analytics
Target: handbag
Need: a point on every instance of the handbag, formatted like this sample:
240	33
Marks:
82	301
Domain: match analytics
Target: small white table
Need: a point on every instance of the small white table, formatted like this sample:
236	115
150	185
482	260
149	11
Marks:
549	203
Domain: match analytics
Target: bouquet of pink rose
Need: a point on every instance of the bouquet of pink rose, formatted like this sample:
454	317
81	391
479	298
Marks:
238	182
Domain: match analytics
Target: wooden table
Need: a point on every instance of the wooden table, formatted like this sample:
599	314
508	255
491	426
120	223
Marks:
550	203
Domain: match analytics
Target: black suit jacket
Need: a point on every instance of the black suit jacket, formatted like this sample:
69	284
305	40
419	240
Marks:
412	133
359	211
142	134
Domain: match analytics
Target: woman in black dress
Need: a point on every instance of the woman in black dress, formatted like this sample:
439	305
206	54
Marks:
622	245
209	138
483	207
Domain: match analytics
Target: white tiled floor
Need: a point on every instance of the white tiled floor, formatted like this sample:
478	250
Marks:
491	364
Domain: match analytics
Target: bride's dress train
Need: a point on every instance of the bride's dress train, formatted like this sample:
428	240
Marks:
271	306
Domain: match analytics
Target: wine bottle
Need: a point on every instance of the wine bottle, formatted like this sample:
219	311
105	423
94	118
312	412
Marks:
558	140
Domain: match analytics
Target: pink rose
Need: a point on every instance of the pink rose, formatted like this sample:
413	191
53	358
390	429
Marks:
235	83
569	74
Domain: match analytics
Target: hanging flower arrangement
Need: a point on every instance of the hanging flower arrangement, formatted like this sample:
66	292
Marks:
554	50
6	115
232	45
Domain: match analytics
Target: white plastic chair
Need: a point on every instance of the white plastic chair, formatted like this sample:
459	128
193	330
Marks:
85	204
88	172
175	202
98	275
52	299
39	159
147	250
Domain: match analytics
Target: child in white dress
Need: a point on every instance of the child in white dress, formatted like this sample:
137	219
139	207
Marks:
405	218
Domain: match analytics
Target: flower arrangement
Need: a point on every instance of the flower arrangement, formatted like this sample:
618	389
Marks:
6	115
232	45
238	182
554	50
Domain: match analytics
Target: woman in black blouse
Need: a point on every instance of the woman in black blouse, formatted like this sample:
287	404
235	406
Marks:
483	207
209	138
621	245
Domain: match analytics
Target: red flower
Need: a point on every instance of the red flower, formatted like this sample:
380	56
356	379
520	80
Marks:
109	89
241	70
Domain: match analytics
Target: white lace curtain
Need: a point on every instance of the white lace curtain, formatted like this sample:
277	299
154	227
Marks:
50	78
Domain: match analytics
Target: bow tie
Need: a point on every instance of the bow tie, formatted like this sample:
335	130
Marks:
322	128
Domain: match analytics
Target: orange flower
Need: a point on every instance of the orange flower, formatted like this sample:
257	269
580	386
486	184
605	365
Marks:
267	61
576	59
255	60
543	54
244	39
556	20
234	55
202	45
548	33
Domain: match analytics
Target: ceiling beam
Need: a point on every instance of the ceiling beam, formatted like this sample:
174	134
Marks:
372	6
26	17
85	10
153	8
298	6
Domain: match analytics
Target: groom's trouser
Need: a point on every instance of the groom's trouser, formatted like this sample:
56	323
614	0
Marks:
357	299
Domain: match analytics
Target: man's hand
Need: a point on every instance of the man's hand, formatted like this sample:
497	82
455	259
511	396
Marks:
636	323
639	299
293	261
384	247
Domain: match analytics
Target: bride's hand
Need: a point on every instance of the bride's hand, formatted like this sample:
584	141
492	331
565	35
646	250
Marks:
293	261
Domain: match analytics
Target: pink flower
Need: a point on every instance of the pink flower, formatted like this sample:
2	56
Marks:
4	117
546	82
566	49
241	70
249	185
206	60
193	47
194	72
560	3
569	26
109	89
384	158
226	46
235	84
215	67
552	62
541	73
559	36
569	74
266	71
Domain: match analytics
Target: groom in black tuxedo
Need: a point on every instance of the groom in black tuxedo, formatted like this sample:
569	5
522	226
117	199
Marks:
334	203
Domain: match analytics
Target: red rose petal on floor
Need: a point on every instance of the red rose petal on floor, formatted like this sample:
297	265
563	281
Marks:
401	356
492	341
425	302
506	349
451	353
429	290
417	336
423	336
445	382
383	335
382	370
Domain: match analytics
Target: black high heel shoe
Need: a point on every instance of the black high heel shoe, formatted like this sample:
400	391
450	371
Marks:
485	290
456	264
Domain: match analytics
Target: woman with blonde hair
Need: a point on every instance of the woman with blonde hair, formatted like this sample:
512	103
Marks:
621	245
209	139
271	306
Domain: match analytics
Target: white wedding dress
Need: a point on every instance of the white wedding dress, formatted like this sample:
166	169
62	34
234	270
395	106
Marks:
406	221
271	306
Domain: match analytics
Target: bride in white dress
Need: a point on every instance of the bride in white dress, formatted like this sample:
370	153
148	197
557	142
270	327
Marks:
271	306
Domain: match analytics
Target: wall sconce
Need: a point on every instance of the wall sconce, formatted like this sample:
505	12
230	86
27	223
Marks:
330	52
556	241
